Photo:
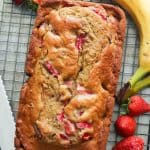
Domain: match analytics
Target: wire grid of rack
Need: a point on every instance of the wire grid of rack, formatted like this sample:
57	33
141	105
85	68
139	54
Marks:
15	30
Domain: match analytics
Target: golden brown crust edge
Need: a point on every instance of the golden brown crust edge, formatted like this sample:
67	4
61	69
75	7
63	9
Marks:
32	54
31	60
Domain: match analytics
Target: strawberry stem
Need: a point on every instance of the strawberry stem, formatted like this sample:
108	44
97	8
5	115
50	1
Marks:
125	108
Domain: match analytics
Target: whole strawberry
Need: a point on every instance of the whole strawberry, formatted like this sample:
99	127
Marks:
130	143
137	106
125	125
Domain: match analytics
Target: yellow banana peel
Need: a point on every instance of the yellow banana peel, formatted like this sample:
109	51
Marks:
140	12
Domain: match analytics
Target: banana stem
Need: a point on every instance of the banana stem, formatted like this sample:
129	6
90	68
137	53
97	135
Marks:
140	73
128	90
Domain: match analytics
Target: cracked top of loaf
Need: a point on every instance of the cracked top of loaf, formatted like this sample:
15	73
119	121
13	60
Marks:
73	65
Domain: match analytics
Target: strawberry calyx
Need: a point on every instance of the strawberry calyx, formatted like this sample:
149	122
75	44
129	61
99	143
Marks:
125	108
27	3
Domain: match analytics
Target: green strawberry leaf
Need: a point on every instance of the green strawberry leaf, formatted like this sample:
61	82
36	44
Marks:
30	4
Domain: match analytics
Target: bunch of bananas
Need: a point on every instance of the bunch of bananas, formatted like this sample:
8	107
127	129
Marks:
140	12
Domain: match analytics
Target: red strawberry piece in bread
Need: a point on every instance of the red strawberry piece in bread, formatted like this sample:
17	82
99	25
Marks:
50	68
83	125
60	117
80	41
86	136
130	143
69	127
63	136
101	12
125	125
137	106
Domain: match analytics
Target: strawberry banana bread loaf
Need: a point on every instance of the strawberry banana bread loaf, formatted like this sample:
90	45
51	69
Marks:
73	66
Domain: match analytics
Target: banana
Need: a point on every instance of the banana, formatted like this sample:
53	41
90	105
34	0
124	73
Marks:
140	12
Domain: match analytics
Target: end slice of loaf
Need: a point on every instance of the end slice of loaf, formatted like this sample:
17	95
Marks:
73	64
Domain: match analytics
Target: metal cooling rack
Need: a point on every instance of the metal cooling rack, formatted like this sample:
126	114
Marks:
15	30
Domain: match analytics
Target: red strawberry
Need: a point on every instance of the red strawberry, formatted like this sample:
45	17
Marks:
18	2
138	106
63	136
69	127
82	125
81	112
60	117
101	12
130	143
80	41
86	136
48	65
125	125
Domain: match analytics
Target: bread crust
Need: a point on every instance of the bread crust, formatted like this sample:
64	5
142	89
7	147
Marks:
106	71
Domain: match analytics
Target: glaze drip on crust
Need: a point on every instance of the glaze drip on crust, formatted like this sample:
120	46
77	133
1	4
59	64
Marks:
73	63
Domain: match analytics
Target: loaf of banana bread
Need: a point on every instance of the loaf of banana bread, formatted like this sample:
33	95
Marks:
73	65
